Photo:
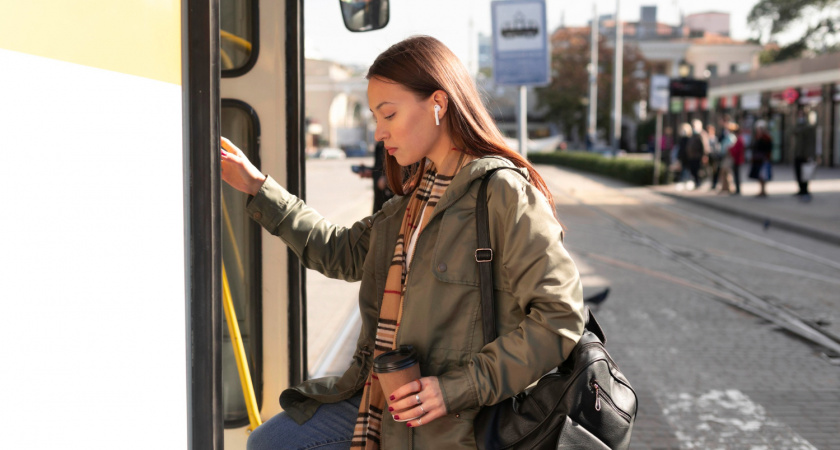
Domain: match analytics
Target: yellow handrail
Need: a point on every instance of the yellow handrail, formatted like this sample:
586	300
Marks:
227	63
239	353
236	40
232	236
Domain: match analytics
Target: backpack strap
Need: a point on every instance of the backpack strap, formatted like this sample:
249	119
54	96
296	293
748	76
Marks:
484	258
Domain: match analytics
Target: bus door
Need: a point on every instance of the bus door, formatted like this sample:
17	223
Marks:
262	112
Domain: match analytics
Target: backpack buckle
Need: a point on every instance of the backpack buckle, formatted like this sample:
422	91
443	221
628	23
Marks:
484	255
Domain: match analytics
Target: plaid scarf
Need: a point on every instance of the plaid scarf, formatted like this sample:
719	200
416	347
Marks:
432	186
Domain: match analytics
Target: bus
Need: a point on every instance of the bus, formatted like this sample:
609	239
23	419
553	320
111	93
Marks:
119	240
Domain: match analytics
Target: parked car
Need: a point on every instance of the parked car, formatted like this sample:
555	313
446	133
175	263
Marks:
331	153
356	150
540	145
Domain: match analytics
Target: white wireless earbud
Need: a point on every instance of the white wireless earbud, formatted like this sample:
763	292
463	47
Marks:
437	111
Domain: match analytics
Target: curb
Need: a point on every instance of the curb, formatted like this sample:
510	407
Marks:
777	223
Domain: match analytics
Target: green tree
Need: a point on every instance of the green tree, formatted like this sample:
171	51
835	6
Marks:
817	20
567	96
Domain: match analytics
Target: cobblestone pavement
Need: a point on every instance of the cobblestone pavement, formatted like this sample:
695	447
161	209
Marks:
708	375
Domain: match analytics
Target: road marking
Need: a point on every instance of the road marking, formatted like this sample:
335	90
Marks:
726	419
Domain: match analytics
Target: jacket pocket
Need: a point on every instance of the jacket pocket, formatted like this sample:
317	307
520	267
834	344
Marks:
453	431
454	256
467	414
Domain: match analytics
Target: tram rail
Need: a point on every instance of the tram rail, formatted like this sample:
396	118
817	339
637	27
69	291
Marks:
722	289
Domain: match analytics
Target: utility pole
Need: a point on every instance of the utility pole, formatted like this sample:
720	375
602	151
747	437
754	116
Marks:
617	78
659	97
657	148
522	127
593	78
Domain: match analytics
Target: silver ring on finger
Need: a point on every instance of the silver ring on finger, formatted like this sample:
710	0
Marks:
409	419
417	397
421	409
419	421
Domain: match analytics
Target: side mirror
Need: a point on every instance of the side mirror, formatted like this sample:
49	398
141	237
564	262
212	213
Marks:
364	15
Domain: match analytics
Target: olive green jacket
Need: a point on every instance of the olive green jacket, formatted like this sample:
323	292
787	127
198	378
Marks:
539	303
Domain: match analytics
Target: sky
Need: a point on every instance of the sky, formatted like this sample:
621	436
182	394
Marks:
457	22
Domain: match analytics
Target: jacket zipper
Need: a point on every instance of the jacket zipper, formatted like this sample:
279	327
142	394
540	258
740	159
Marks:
410	439
599	393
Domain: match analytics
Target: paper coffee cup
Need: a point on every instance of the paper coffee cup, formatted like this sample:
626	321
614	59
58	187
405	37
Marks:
396	368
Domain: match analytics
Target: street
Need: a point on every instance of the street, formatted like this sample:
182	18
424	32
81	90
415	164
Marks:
714	319
708	374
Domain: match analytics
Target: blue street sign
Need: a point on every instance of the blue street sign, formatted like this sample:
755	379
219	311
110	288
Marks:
520	43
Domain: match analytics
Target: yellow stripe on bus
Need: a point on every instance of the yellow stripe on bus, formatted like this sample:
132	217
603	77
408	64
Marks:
137	37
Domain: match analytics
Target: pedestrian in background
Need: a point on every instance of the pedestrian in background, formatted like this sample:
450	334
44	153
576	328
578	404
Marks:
723	126
732	147
726	141
667	142
697	151
715	154
804	152
666	146
738	153
679	156
761	167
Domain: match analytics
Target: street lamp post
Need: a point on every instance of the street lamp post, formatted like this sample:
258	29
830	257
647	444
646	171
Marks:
684	71
593	78
617	78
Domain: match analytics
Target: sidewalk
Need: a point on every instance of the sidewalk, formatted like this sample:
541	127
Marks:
819	218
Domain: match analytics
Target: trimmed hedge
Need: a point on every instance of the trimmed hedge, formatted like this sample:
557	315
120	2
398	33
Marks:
631	170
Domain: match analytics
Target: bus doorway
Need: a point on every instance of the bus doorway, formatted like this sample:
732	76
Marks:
262	112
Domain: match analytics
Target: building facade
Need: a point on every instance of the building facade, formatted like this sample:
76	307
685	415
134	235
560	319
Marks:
337	110
700	44
776	93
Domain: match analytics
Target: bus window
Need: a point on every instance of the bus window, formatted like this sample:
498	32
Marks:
239	43
242	258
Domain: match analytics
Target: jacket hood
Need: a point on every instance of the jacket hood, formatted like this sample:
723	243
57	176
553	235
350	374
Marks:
459	186
471	172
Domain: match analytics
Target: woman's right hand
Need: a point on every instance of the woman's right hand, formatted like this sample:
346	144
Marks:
238	172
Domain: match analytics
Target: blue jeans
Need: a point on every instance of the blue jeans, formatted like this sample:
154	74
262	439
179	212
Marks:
331	428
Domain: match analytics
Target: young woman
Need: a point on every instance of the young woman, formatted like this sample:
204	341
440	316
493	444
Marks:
416	262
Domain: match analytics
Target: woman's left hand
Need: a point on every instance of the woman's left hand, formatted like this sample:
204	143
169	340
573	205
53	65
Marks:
420	399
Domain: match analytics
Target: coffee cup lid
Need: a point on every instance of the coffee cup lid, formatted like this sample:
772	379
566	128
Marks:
395	360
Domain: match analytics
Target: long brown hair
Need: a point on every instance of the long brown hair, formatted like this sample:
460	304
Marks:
424	65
